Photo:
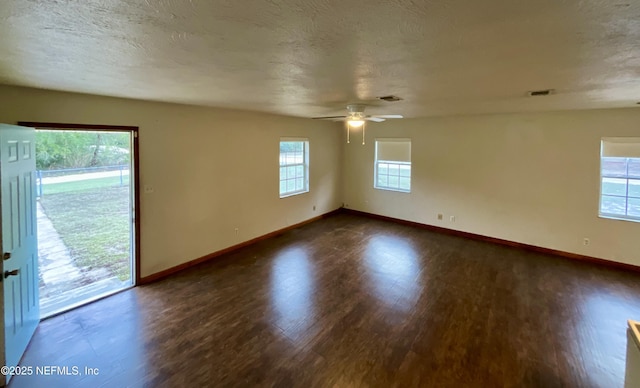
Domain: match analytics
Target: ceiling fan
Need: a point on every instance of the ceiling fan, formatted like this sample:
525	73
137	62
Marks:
356	118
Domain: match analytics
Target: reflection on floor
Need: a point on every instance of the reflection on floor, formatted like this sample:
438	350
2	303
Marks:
351	301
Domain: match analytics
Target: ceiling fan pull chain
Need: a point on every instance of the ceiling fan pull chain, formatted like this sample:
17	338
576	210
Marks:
348	129
363	125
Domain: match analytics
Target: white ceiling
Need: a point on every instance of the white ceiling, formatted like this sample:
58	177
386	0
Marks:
310	58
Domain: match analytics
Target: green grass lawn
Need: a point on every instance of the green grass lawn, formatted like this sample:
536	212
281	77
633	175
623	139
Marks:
94	223
86	184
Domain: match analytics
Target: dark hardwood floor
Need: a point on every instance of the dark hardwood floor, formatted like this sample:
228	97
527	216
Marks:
353	301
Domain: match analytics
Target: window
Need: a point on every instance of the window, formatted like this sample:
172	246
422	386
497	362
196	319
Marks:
392	170
620	178
294	166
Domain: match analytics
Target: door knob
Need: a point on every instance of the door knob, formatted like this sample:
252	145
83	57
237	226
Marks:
6	256
11	273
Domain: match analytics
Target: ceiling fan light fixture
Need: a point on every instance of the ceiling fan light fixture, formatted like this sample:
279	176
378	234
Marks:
356	119
355	123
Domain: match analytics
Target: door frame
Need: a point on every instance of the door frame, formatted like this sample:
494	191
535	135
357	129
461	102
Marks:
136	173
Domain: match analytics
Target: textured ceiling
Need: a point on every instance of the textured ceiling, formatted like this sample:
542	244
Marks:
309	58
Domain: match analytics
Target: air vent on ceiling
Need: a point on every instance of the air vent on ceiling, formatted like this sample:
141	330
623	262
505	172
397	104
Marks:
390	98
544	92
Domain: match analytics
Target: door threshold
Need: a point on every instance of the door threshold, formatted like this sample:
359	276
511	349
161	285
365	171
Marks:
84	302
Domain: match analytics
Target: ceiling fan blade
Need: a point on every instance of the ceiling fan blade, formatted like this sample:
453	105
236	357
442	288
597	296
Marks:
375	118
334	118
389	116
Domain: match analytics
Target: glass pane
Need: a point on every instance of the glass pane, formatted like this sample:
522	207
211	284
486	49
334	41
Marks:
393	181
405	170
613	205
634	188
383	168
614	166
290	146
634	167
634	207
614	186
394	169
292	172
383	180
405	183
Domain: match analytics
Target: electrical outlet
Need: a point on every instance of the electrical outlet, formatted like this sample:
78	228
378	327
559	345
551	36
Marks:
452	218
314	207
148	189
586	241
237	231
440	216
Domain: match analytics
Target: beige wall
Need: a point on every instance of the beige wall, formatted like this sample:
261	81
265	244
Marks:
212	170
530	178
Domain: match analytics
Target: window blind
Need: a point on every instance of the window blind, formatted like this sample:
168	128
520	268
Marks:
397	150
620	147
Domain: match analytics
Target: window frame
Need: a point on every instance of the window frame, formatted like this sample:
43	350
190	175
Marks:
304	164
376	166
627	177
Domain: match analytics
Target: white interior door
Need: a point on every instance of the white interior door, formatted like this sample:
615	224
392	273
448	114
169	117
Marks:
19	242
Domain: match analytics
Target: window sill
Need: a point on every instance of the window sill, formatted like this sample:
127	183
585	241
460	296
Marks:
618	218
294	193
392	189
